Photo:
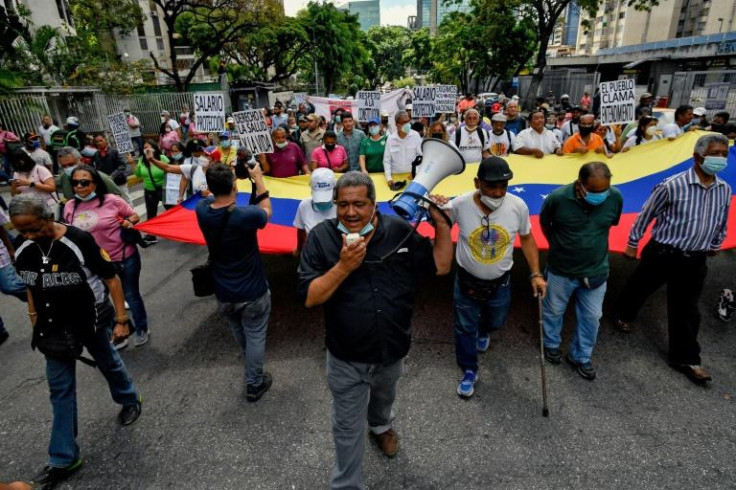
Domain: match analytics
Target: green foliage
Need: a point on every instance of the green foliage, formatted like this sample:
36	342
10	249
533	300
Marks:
417	55
386	46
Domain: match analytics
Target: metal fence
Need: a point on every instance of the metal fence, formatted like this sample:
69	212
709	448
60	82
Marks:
146	107
689	87
22	114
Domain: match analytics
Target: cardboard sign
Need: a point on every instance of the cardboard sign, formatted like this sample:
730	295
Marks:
209	110
717	96
423	101
369	105
119	129
446	97
253	131
618	101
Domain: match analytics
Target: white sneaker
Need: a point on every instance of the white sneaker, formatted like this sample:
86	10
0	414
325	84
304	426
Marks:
121	344
140	339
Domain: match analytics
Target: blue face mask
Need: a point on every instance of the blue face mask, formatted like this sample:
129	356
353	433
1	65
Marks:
177	156
374	129
322	207
338	119
406	128
91	196
712	164
363	231
36	144
225	143
596	198
69	170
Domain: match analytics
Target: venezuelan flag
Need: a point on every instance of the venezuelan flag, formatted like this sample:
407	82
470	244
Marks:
635	174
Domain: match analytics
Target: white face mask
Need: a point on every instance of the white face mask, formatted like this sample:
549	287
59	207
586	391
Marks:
493	204
651	130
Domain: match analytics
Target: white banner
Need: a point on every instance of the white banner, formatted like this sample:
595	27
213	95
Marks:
369	105
323	106
446	98
209	109
423	101
618	101
253	131
119	128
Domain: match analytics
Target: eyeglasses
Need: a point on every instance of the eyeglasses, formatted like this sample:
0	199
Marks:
81	183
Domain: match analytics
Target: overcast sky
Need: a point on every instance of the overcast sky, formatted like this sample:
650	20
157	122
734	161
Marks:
393	12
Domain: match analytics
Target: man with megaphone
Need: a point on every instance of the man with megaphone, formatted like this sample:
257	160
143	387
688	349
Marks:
365	268
489	220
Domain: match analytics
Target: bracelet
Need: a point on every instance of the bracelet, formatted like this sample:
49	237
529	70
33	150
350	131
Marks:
535	274
261	197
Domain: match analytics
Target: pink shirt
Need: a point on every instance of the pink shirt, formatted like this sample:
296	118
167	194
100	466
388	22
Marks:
336	157
38	174
103	222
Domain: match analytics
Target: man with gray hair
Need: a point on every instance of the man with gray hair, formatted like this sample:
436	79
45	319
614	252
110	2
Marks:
365	268
68	158
402	147
691	211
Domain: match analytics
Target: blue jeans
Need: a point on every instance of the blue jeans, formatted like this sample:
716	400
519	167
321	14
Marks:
472	315
249	322
129	271
63	448
11	284
588	312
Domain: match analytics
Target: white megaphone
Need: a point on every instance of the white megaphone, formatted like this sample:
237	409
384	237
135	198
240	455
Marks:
439	161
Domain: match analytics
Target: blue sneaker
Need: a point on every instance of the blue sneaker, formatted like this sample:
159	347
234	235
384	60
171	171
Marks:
466	388
484	341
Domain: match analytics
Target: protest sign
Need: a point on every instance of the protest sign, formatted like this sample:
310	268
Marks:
300	98
423	101
717	96
618	101
209	110
446	97
369	105
171	194
253	131
119	129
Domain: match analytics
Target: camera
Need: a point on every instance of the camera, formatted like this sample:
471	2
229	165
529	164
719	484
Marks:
242	167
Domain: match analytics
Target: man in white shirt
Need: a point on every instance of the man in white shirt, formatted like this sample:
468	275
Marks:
683	117
471	140
502	140
537	140
134	130
314	210
46	129
489	220
402	147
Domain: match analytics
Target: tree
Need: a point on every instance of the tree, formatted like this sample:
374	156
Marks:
11	29
417	55
93	18
338	41
208	27
386	46
453	52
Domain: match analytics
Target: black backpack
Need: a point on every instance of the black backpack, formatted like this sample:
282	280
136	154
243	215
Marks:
481	135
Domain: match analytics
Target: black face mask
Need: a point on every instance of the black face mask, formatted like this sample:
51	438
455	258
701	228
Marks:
586	130
384	121
329	147
437	136
46	126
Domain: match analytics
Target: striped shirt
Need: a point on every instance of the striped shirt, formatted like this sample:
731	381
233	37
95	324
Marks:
690	216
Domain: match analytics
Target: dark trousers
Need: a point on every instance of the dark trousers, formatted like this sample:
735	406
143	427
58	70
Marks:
684	273
152	198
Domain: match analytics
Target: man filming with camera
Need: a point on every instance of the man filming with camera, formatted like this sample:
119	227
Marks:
241	287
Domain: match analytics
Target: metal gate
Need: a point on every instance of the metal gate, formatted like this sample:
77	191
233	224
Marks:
23	114
147	107
689	87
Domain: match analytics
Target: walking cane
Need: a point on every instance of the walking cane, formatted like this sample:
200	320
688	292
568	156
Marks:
545	410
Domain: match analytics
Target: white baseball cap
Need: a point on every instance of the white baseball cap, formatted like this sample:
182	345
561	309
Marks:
322	181
700	111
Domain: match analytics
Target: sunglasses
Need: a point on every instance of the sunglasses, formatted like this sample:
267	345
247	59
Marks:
81	183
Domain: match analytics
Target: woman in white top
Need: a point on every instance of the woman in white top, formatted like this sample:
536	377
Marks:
32	178
646	132
191	169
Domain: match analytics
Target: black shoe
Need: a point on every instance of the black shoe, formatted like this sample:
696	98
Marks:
130	413
552	355
4	336
255	392
150	239
50	476
585	370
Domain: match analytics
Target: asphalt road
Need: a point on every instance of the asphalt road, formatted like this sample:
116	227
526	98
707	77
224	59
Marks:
640	425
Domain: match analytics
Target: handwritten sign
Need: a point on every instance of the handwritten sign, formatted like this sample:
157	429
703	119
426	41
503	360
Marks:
119	128
369	105
253	131
618	101
209	109
423	101
446	97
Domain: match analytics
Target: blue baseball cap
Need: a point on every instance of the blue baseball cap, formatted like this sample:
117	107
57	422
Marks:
375	120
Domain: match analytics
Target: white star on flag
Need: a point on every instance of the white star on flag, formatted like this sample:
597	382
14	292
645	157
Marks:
519	189
544	196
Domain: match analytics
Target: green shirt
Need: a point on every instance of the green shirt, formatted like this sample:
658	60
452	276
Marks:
578	232
373	152
159	176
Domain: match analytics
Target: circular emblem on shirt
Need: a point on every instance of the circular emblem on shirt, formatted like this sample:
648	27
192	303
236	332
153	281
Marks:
86	220
488	245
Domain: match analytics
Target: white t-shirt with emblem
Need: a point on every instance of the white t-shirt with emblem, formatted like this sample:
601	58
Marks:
470	147
502	144
486	252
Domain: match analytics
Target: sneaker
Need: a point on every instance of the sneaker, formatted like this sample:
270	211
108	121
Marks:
387	442
130	413
484	341
140	338
150	239
466	388
120	344
50	476
4	336
255	392
726	305
552	355
584	369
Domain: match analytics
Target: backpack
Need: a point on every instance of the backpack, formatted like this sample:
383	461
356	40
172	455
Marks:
60	138
481	135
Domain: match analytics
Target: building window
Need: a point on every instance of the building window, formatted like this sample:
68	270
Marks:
160	44
621	15
156	25
144	43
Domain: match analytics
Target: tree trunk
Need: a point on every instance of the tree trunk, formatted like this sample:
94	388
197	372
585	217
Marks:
538	75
